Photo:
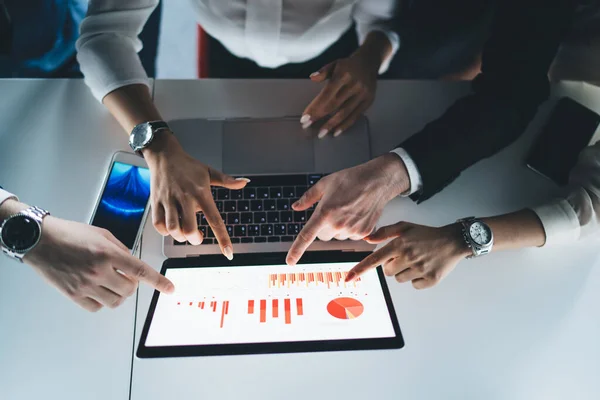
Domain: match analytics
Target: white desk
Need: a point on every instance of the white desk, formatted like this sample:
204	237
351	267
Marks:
56	141
514	325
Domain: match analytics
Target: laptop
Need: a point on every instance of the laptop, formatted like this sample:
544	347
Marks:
282	160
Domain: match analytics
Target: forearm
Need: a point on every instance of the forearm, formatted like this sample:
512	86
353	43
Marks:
376	48
131	105
10	207
516	230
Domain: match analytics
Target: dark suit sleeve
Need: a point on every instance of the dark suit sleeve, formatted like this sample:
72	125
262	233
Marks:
506	95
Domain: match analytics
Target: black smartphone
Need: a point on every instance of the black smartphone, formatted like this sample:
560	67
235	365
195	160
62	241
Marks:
123	202
567	132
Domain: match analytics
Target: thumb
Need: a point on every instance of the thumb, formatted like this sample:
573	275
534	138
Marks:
324	73
309	198
384	233
218	178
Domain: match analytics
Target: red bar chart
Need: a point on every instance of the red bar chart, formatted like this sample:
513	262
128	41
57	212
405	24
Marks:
213	305
331	279
275	304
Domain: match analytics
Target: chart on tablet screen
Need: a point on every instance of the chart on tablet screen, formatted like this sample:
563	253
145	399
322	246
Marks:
246	304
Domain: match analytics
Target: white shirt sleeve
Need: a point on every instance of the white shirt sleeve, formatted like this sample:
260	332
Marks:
578	215
108	44
414	176
4	195
377	15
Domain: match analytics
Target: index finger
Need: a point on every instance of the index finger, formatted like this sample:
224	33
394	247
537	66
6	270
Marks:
142	272
373	260
327	101
213	217
307	235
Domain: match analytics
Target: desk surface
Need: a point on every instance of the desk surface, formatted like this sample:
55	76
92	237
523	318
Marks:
514	325
56	142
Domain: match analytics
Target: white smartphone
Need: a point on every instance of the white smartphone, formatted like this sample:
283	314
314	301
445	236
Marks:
123	202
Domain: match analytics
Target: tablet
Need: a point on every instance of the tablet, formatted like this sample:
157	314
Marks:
257	304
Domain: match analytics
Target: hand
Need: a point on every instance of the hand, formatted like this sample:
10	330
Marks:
348	94
83	261
421	254
180	187
350	202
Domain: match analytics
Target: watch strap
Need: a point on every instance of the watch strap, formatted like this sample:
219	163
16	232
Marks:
158	125
36	213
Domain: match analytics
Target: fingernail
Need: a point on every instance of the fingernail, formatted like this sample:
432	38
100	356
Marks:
305	118
228	252
337	133
296	204
291	261
306	125
322	133
350	276
314	74
243	179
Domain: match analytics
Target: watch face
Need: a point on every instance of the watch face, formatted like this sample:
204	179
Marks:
141	135
480	233
20	233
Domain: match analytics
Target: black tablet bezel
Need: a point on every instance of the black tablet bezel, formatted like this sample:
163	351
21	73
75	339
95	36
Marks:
251	259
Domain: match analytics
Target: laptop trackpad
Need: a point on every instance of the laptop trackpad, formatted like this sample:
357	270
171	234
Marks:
267	147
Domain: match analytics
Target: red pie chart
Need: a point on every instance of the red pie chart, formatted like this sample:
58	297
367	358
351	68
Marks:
345	308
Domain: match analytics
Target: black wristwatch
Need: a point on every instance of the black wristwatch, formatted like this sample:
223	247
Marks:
21	232
143	134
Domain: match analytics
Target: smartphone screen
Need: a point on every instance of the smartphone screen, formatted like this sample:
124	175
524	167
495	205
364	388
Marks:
568	131
123	202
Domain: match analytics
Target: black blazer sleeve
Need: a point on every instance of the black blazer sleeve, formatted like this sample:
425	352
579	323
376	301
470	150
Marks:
512	84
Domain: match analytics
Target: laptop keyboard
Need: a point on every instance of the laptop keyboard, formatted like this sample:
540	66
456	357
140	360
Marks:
262	211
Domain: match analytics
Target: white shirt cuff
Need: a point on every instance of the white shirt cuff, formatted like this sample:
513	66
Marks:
416	182
560	222
394	39
4	195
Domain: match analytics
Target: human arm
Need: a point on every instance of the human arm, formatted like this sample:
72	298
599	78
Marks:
513	83
352	81
350	202
425	255
180	185
83	262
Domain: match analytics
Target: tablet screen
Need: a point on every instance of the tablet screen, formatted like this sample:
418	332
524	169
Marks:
269	303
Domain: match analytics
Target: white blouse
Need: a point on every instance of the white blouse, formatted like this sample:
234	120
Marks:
270	32
576	216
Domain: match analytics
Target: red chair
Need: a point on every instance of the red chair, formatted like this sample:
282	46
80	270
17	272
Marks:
203	68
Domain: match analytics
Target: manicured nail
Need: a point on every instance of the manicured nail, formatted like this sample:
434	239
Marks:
306	124
228	252
305	118
322	133
350	276
243	179
337	133
314	74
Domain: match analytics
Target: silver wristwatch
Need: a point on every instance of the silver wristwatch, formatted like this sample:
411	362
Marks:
143	134
478	236
21	232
